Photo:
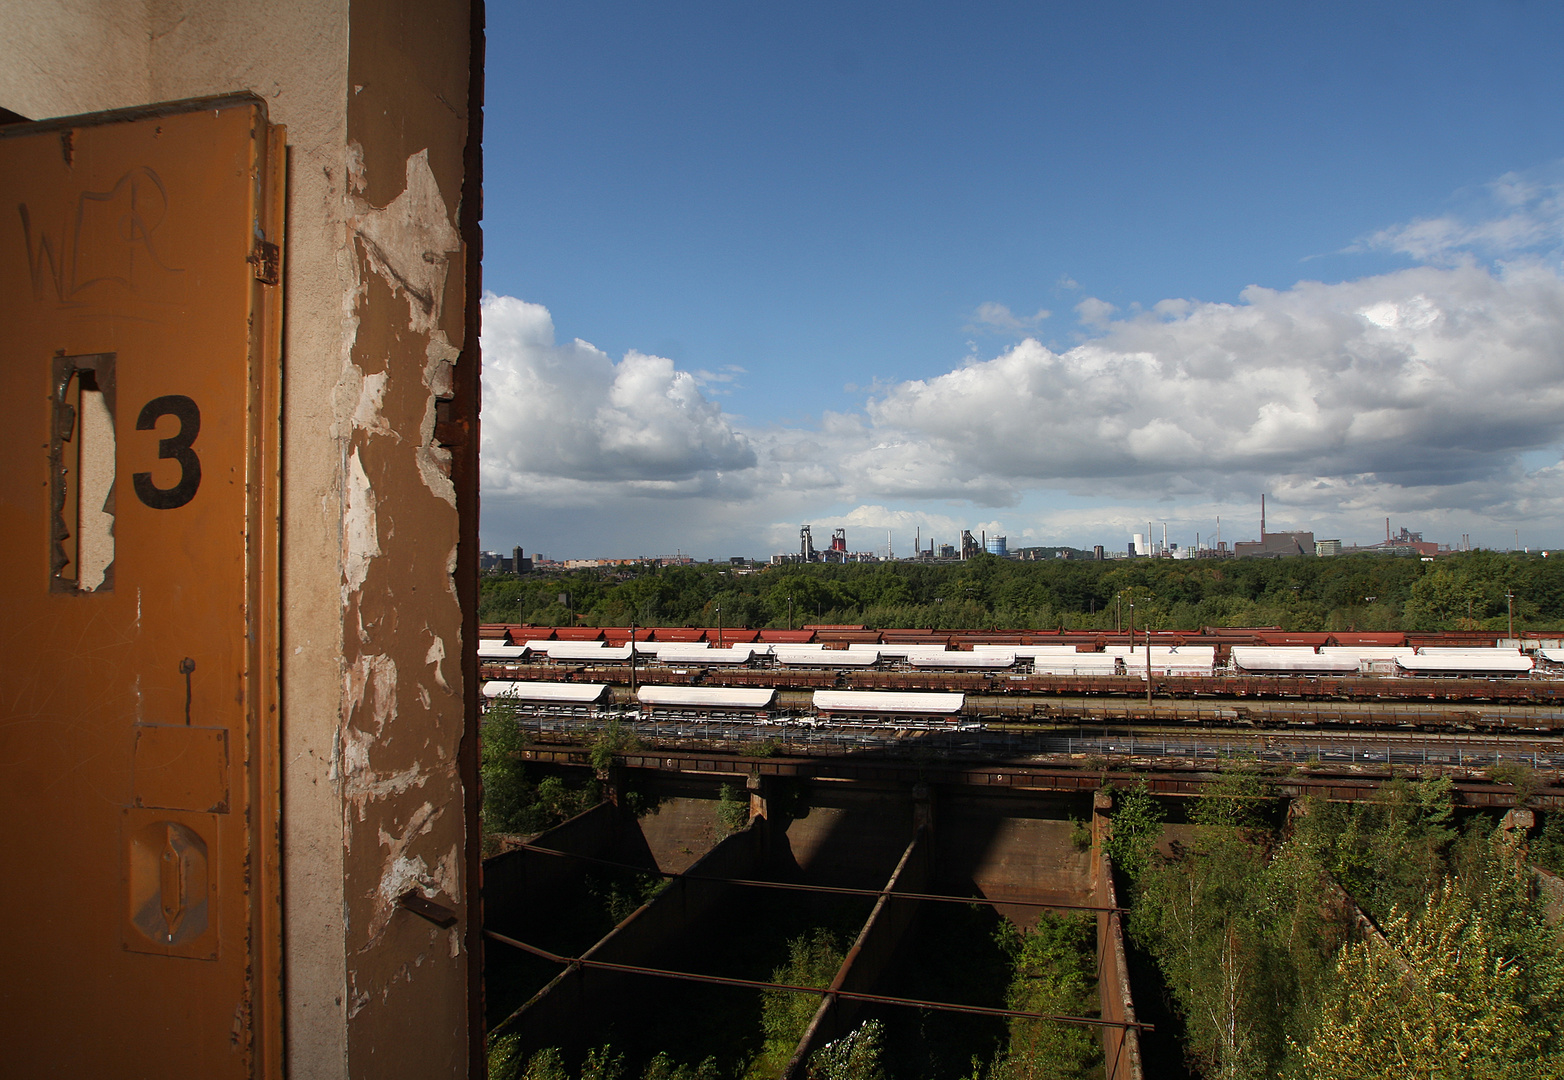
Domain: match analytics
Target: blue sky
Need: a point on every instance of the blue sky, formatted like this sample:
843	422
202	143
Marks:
1031	268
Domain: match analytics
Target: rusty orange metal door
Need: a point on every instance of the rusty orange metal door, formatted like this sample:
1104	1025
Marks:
140	304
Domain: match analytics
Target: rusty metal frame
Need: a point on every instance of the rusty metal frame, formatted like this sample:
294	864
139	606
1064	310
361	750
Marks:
463	420
818	991
1009	777
786	886
264	571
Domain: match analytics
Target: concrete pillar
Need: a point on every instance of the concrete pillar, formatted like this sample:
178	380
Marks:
610	782
759	788
1121	1046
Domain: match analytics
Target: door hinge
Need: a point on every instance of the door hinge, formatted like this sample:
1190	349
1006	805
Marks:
267	260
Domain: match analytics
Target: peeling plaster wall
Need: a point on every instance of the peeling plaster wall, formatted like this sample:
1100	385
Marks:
374	96
401	337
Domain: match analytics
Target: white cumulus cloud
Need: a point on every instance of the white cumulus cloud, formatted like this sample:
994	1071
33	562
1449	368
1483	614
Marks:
568	413
1424	377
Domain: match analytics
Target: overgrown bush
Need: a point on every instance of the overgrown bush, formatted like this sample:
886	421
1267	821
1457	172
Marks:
1547	850
1387	853
1137	827
732	809
857	1056
1054	971
813	959
1470	985
512	803
1261	965
600	1063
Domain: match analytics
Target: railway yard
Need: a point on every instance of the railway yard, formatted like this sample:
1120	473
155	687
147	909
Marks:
946	767
1447	703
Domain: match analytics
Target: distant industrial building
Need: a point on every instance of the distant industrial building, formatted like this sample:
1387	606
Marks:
493	562
1275	545
1402	543
836	553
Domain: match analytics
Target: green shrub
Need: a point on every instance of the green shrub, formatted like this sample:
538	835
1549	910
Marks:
1054	971
732	809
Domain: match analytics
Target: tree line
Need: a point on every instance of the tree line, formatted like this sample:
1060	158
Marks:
1248	919
1477	590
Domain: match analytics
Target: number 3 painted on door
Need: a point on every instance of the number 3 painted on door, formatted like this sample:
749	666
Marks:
176	447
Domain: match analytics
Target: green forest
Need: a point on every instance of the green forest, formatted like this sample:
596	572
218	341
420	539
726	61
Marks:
1248	921
1477	590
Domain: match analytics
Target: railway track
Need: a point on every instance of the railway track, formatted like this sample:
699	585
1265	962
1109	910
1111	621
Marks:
1534	706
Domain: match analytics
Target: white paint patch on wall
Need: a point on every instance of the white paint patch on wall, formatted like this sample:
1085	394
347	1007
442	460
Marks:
373	677
409	241
434	460
436	656
360	537
402	871
371	398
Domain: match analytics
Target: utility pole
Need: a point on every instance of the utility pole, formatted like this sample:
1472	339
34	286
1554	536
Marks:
1148	673
719	626
632	657
1509	605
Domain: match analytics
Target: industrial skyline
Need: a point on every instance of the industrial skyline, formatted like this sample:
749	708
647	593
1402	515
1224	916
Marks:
1040	273
967	545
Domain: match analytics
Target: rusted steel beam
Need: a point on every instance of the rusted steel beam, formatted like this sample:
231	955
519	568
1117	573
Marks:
1170	782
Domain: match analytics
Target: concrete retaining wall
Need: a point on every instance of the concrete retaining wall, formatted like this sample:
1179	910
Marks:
852	839
680	831
519	886
1004	849
1551	886
1121	1046
561	1013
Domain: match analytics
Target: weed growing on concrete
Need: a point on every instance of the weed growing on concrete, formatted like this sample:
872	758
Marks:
506	1062
1080	834
1522	779
1137	826
732	809
612	740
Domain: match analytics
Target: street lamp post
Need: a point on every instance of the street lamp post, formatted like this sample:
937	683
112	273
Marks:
790	613
719	626
632	657
1509	607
